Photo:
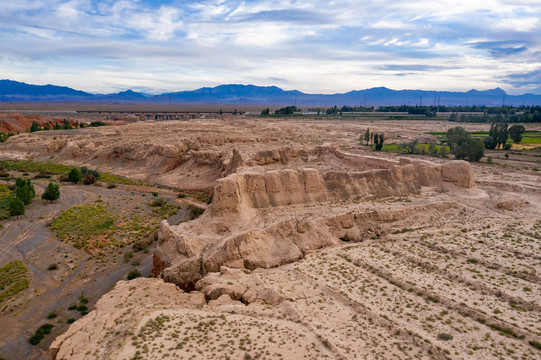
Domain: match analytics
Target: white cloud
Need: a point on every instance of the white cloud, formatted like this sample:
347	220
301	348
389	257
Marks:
317	46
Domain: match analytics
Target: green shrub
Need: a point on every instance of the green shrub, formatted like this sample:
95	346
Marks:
134	274
74	176
79	223
158	203
13	279
40	333
445	337
51	315
16	207
195	211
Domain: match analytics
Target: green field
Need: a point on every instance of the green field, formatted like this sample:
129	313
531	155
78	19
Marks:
5	196
421	148
54	168
80	223
13	279
531	137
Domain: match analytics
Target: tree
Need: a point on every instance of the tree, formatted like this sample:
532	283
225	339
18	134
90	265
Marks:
432	149
516	132
367	136
51	193
456	136
34	127
471	150
499	133
24	190
378	141
16	207
489	142
74	175
410	147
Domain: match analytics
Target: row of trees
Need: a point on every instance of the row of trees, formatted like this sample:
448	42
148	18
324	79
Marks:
373	138
25	192
288	110
499	133
487	118
66	125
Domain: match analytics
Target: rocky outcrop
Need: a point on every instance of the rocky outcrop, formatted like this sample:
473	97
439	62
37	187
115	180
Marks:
308	186
267	245
121	309
263	219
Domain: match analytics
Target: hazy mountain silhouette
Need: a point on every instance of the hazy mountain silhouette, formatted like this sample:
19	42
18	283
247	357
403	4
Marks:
269	95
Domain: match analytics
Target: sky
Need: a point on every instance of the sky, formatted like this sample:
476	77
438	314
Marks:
314	46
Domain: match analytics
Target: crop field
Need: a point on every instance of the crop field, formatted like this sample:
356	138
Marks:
532	137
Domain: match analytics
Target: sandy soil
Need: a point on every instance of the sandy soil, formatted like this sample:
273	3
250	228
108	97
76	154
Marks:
458	281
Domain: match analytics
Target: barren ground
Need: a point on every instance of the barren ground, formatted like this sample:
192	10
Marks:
456	275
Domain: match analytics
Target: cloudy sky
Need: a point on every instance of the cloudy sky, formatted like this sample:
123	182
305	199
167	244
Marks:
309	45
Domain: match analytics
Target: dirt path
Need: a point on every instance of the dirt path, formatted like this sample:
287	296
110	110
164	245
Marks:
29	239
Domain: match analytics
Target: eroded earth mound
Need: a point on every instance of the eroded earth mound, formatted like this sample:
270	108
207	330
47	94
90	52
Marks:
314	247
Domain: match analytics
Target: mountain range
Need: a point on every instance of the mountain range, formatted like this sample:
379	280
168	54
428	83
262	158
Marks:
267	95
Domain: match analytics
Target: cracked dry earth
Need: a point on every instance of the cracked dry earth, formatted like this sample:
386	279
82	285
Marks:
314	248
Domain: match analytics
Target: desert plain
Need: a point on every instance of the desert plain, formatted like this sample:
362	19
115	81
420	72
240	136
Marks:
311	245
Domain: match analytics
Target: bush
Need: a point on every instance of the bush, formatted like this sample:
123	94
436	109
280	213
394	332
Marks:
128	255
51	315
87	171
89	179
52	267
410	147
195	211
445	337
43	174
111	186
471	150
134	274
74	176
158	203
40	333
70	321
4	174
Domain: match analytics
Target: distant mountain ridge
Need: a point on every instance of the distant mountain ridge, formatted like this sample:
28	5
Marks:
269	95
